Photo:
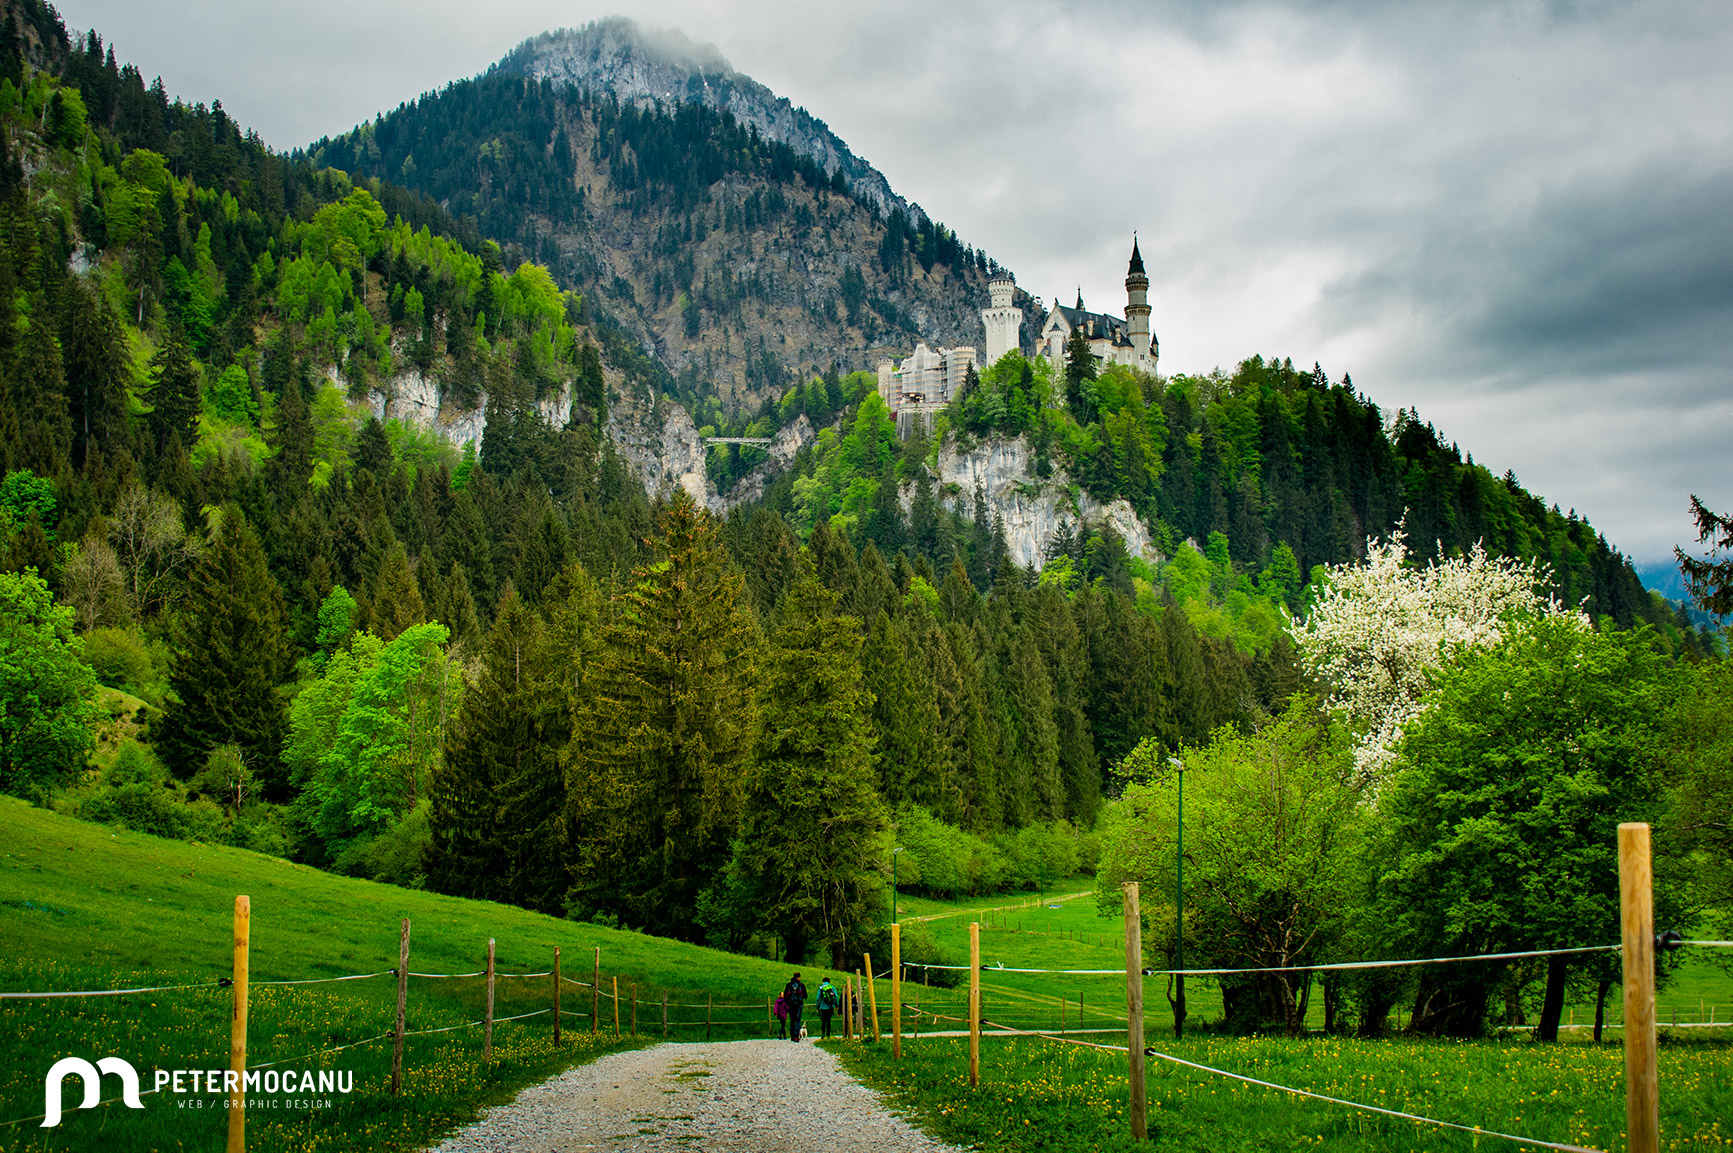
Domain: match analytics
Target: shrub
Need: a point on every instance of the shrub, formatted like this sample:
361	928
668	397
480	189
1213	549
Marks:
119	659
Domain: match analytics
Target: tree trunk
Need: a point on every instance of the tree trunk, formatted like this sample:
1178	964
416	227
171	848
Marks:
1553	1006
1601	1007
1332	1002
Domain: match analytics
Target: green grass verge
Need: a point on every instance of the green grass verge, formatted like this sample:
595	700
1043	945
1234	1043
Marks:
83	906
1042	1095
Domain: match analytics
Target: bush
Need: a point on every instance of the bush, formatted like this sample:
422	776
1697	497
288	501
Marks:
394	856
119	659
137	792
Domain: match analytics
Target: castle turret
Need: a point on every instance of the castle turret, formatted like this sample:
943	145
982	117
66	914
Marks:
1003	319
1137	306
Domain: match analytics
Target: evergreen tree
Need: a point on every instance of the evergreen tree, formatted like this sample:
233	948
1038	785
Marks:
1080	373
811	843
174	392
590	390
228	652
93	352
291	439
657	763
905	715
395	603
498	801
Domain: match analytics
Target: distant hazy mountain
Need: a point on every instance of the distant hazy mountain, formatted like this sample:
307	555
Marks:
642	65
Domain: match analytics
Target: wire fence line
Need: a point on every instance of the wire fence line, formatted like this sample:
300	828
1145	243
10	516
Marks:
1336	965
1152	1052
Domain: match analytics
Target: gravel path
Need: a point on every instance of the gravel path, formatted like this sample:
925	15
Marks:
735	1096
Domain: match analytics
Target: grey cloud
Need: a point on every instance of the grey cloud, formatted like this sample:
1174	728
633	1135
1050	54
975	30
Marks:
1511	214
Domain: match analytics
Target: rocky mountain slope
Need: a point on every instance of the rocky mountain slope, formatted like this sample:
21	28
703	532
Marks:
662	67
734	237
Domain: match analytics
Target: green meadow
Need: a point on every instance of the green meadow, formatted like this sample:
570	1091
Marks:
84	906
1066	931
1046	1095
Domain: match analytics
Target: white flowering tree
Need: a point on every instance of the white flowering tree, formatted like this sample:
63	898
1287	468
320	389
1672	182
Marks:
1376	628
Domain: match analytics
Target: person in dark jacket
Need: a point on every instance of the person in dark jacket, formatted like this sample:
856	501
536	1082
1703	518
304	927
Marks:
794	997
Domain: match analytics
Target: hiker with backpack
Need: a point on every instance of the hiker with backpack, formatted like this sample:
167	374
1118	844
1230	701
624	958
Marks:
781	1016
794	997
828	1000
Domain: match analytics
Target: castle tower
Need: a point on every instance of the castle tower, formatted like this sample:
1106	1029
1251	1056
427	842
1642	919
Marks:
1137	306
1003	320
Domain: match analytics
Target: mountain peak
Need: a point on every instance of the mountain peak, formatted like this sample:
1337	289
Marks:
639	65
619	53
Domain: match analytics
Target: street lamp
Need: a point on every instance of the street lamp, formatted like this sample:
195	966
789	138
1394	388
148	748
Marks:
894	853
1179	907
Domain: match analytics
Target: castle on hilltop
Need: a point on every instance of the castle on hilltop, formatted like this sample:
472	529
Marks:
1112	340
928	380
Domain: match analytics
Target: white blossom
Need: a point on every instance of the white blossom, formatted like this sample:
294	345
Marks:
1376	628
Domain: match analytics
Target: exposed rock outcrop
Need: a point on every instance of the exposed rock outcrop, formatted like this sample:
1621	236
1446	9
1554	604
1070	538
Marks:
1031	508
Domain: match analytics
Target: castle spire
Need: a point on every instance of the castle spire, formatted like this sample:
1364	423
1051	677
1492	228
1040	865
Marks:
1079	298
1137	307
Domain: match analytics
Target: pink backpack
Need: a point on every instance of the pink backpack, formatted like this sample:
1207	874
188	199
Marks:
781	1009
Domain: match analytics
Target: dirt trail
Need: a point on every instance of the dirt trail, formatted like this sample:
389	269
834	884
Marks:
999	908
731	1096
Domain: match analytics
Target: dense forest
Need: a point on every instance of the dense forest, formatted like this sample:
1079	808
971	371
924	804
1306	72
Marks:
245	608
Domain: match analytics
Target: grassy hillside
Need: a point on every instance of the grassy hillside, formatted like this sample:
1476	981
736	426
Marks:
83	906
1067	932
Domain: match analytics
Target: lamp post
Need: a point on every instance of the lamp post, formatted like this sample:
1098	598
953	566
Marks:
1179	907
894	853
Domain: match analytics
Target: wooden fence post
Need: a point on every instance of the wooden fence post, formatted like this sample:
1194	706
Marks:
556	996
872	994
1134	1011
402	1004
664	1014
487	1022
596	995
634	1008
709	1000
1637	919
238	1028
616	1006
974	1003
896	991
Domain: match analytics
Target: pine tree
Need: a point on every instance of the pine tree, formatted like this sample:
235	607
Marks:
905	713
498	801
291	438
93	350
657	763
228	652
395	601
811	841
1080	373
39	398
174	392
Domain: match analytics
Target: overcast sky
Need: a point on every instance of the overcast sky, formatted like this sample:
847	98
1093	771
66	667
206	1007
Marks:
1516	217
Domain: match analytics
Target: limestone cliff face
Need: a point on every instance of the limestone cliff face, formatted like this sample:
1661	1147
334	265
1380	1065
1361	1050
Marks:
1031	508
415	400
662	445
